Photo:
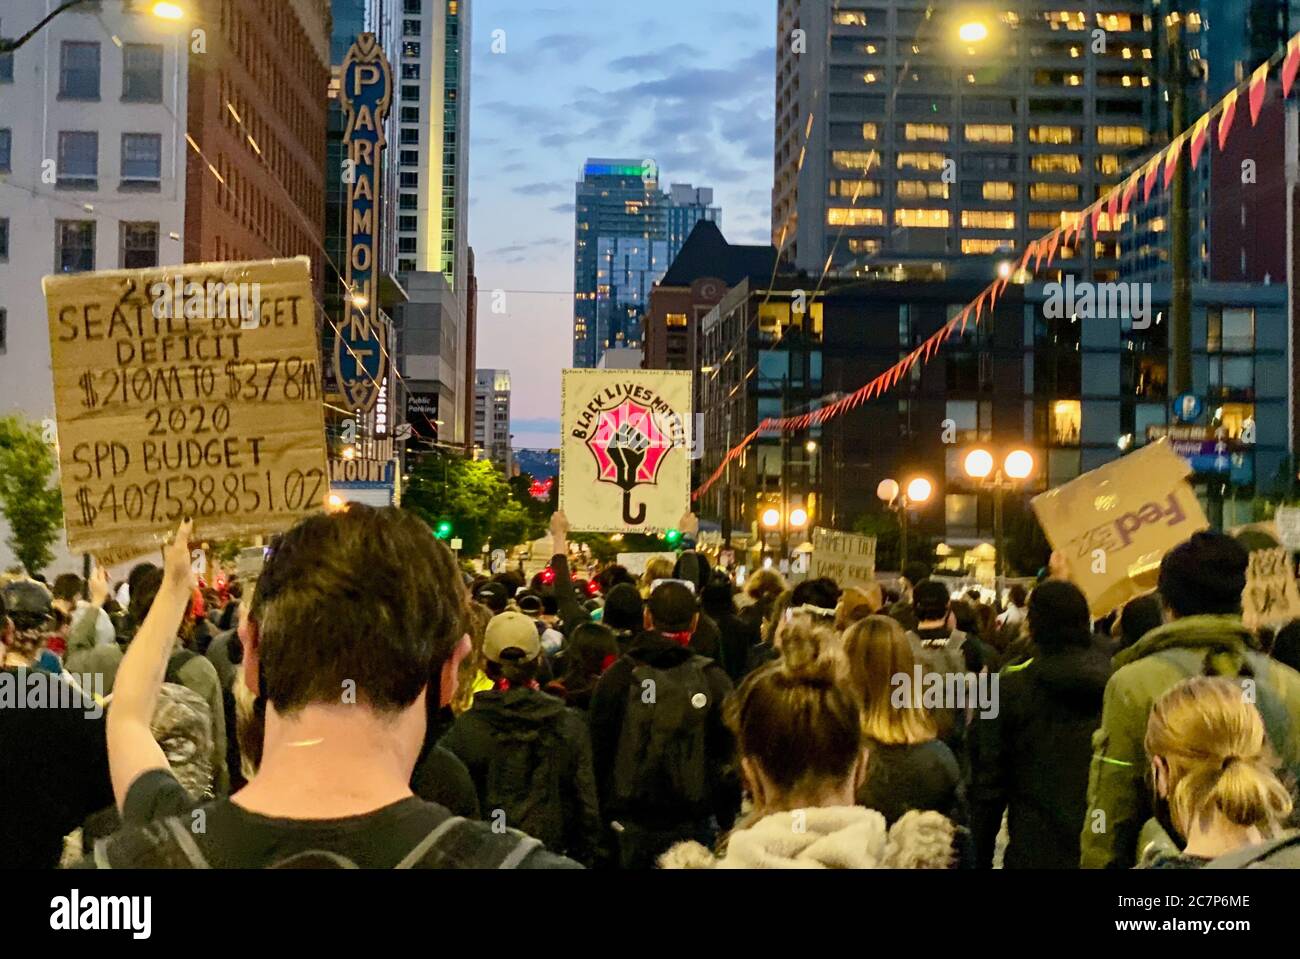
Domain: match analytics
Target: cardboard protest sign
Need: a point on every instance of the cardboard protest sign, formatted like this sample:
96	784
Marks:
186	391
635	563
625	461
1287	520
1271	597
1114	524
847	558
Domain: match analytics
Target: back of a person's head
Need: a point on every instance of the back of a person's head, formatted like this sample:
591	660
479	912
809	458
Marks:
875	652
587	652
964	615
1058	616
672	607
764	585
797	724
804	638
1140	615
624	608
67	587
823	593
363	595
657	568
1218	756
718	598
611	576
1286	645
477	616
916	571
858	603
1205	575
144	587
930	600
1017	595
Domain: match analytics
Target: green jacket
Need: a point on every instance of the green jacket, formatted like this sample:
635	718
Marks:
1118	794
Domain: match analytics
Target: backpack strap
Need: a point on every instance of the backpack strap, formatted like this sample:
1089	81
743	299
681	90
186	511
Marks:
413	858
178	661
186	843
1251	855
521	852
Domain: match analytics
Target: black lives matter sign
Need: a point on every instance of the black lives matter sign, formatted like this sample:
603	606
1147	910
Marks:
186	391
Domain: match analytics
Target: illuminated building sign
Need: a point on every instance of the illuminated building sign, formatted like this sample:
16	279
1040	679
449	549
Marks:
360	357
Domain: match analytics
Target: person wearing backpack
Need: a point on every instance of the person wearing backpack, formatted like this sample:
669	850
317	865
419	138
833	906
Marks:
1201	581
1214	778
528	754
358	617
660	742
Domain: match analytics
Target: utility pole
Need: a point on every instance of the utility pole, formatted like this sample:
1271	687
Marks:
785	471
1176	77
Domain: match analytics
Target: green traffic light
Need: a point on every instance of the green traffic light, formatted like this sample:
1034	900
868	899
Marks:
673	537
444	530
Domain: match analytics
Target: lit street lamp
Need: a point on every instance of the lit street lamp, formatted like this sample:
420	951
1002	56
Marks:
918	493
163	11
973	32
981	466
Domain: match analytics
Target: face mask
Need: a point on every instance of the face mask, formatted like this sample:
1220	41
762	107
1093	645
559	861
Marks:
1162	813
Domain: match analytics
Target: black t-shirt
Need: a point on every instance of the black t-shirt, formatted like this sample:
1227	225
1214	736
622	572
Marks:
53	766
230	837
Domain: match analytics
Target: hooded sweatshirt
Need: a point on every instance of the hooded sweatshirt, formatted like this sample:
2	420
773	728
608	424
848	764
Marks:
530	759
834	837
1031	760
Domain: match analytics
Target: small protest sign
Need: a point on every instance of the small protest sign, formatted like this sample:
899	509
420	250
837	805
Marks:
847	558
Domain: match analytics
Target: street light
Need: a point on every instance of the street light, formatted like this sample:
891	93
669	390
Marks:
1017	466
163	11
973	32
772	518
798	518
918	493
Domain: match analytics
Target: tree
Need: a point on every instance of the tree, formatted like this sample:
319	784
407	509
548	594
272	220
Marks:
475	499
32	505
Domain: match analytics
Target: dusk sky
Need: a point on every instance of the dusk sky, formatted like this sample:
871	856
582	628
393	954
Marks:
687	83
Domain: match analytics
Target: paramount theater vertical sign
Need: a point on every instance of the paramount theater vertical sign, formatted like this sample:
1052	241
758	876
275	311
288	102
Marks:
360	357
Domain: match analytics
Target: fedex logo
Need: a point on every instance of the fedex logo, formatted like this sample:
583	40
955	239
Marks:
1118	533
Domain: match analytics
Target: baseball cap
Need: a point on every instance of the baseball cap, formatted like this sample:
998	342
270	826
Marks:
530	603
493	596
26	597
511	631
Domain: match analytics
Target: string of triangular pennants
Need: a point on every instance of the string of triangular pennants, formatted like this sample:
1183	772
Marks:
1159	169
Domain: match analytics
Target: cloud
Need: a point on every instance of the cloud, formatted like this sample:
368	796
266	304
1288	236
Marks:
564	208
545	186
667	57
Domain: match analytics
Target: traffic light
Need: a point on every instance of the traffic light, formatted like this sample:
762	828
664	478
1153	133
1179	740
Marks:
443	530
673	537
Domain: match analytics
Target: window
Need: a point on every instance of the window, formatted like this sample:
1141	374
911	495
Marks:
78	160
139	246
922	161
921	190
410	180
988	220
409	201
855	188
990	163
1108	164
990	133
1056	163
863	160
412	6
407	244
1055	134
410	158
1066	422
410	28
1117	21
410	137
865	216
6	150
1041	220
1053	192
938	132
850	18
1122	136
410	71
864	247
6	65
988	190
675	320
142	160
1231	331
405	266
1067	19
4	240
142	72
411	93
79	71
74	250
986	247
408	224
925	219
961	511
410	114
411	49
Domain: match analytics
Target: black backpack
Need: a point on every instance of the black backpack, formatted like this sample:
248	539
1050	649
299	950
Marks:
662	758
523	778
451	843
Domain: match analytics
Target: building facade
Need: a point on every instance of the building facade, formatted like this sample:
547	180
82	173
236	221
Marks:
92	175
492	417
627	232
900	147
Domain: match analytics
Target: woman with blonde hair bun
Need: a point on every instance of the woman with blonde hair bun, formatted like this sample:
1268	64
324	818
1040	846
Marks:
1215	786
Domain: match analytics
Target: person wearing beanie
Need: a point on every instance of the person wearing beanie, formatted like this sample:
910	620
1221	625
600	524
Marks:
1201	581
736	636
624	613
1031	759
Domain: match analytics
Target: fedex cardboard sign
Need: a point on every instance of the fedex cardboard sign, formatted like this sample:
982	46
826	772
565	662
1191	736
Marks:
1115	524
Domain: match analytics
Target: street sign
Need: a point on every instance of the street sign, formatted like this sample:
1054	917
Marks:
1188	407
1208	450
456	545
1287	520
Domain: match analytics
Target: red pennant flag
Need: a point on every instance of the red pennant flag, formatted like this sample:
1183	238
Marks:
965	318
1096	220
1171	158
1198	138
1152	174
1112	207
1040	249
1130	188
1258	87
1052	243
1290	64
1225	121
979	307
1029	251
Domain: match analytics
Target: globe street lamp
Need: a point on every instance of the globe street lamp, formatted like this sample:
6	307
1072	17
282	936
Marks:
973	32
161	10
1017	466
917	493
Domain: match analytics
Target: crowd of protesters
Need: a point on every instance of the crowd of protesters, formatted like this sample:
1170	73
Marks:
365	703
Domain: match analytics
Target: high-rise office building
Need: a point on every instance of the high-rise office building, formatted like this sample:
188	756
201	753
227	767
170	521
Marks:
492	417
628	232
426	226
911	135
